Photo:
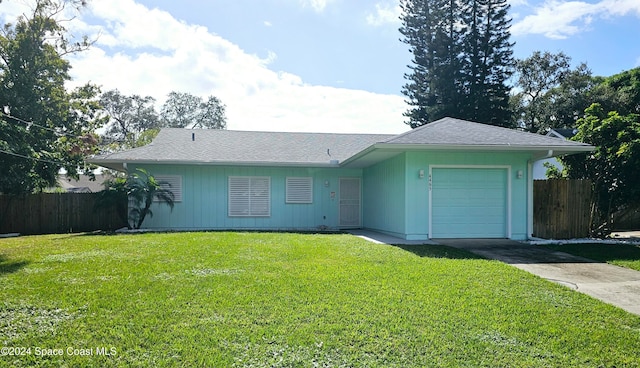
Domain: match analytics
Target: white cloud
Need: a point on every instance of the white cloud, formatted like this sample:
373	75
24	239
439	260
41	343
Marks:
622	7
561	19
271	57
385	13
267	23
316	5
13	9
148	52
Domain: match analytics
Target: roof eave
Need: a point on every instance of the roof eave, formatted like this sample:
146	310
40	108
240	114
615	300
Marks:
121	164
538	151
484	147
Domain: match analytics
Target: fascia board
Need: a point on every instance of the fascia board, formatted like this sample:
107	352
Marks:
543	150
360	154
483	147
107	162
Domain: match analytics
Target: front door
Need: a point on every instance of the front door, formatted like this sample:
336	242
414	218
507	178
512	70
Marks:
349	202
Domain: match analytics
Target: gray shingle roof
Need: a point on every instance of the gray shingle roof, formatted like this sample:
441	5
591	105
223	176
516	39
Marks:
188	146
227	146
456	132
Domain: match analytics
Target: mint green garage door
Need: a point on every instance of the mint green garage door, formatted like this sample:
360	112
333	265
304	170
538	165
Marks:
469	203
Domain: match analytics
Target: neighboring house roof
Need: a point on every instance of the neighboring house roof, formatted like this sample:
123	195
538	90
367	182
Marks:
327	149
83	184
564	133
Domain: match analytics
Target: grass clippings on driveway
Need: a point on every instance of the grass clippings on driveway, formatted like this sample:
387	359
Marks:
282	300
624	255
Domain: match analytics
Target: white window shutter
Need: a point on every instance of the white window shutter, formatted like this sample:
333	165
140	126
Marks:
173	183
299	190
249	196
238	196
260	197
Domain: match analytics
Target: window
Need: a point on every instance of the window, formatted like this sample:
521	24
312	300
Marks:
173	183
249	196
299	190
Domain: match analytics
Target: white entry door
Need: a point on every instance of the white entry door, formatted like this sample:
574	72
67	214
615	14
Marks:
349	202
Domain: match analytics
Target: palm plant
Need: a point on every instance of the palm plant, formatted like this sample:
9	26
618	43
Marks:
142	190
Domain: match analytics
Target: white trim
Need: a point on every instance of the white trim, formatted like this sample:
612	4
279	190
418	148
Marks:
529	199
567	147
506	167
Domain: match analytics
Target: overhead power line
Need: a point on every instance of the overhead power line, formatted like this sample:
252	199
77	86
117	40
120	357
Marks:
32	158
29	123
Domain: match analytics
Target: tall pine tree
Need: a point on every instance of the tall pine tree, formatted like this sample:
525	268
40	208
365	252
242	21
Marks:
462	59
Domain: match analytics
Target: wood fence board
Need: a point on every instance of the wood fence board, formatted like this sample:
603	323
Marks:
562	208
50	213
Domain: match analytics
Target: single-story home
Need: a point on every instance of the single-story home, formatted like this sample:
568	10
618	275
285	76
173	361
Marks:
447	179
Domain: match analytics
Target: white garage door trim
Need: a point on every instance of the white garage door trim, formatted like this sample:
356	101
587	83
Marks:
506	167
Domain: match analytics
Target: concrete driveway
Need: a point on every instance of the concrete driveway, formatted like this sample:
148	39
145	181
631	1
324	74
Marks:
611	284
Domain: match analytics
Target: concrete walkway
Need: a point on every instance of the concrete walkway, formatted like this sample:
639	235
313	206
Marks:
380	238
611	284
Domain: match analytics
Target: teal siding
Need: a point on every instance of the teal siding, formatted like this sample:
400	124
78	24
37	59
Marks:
205	199
384	196
395	198
418	189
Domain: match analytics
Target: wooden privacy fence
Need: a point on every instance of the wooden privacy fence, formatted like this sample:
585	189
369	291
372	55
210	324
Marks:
562	208
51	213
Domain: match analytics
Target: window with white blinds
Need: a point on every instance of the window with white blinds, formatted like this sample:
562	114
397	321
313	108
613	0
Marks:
173	183
249	196
299	190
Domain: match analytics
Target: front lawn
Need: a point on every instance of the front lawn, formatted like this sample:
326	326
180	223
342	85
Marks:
272	300
624	255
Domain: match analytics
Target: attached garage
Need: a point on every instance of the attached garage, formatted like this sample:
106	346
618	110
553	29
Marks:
447	179
469	202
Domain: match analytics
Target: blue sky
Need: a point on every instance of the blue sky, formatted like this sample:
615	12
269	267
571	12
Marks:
310	65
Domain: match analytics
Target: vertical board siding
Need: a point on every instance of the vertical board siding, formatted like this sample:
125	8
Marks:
205	198
562	208
395	199
383	204
51	213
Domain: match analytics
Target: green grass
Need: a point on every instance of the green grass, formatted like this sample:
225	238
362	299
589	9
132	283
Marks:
624	255
283	300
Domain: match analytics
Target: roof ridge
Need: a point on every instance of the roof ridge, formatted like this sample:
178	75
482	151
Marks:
450	130
424	126
276	132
